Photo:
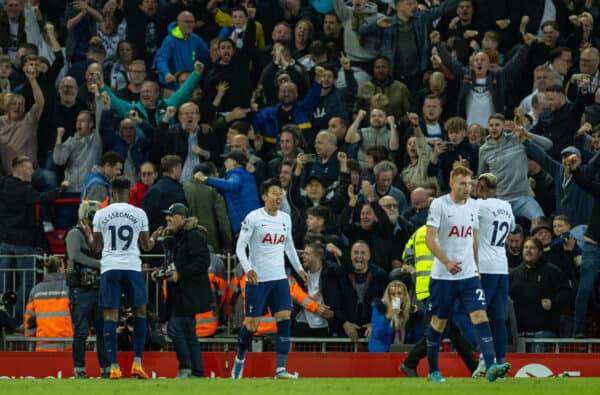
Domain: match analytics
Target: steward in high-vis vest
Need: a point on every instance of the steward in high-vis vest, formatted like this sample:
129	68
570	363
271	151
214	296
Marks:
417	254
207	322
47	313
267	325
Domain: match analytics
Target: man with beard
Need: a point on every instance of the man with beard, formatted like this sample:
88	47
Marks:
68	107
151	105
402	229
514	246
334	101
289	110
383	82
233	68
357	289
378	133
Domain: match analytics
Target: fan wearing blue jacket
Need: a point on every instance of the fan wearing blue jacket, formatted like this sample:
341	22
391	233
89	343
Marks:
179	50
238	188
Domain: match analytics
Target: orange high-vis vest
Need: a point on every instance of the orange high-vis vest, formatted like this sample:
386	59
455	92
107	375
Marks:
301	297
207	323
267	322
47	313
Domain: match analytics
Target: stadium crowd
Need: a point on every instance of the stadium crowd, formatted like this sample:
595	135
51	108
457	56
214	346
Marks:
360	108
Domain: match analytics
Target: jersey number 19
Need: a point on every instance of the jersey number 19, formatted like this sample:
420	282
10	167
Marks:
124	234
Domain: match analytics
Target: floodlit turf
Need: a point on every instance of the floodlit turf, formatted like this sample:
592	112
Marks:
547	386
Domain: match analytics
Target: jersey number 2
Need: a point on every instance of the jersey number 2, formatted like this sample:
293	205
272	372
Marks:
123	233
500	229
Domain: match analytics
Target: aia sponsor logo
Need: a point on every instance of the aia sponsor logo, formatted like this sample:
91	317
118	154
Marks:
274	238
461	231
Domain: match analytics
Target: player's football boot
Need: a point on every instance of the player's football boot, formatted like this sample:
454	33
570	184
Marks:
138	371
480	371
238	369
503	369
285	375
435	377
115	373
497	371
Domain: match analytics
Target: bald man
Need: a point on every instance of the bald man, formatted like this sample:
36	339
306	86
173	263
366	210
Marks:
437	85
255	165
420	200
180	49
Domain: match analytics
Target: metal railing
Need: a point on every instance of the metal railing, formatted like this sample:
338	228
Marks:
557	346
208	344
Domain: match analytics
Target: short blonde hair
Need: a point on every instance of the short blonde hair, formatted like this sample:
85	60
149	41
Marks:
460	170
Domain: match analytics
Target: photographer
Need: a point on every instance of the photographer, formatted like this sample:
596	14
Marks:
188	288
83	278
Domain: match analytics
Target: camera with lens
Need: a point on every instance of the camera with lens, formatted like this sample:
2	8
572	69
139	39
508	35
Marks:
168	265
7	299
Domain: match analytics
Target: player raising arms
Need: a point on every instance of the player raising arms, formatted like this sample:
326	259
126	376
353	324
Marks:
118	227
452	237
496	221
267	232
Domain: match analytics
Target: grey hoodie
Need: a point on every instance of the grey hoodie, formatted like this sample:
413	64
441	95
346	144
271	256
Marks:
352	44
507	159
80	154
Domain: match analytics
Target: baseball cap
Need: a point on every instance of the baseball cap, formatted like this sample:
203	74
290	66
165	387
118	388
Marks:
239	157
541	226
490	178
313	177
177	209
570	150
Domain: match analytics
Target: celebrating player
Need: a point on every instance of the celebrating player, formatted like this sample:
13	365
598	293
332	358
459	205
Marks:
267	232
496	220
118	227
452	237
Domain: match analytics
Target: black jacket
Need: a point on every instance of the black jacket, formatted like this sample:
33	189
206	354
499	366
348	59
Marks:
160	196
192	294
18	222
346	306
380	238
446	160
528	286
173	140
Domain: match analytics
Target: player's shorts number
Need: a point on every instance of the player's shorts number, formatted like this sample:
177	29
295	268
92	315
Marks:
500	233
123	233
480	294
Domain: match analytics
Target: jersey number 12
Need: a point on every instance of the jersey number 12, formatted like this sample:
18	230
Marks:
500	229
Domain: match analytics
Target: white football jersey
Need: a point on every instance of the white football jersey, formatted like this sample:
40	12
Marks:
456	224
496	220
267	238
120	225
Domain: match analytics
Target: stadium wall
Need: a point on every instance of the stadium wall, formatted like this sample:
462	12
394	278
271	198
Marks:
307	364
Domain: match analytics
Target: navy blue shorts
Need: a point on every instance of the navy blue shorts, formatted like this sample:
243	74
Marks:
495	287
272	294
115	282
445	293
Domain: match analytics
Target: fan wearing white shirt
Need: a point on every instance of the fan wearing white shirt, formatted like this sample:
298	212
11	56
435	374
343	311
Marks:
452	236
267	232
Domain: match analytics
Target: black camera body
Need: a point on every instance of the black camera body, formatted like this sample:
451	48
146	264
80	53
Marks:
168	265
7	299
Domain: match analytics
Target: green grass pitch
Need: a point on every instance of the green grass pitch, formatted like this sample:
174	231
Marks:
322	386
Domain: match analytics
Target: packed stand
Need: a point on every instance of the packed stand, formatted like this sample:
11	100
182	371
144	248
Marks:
360	108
